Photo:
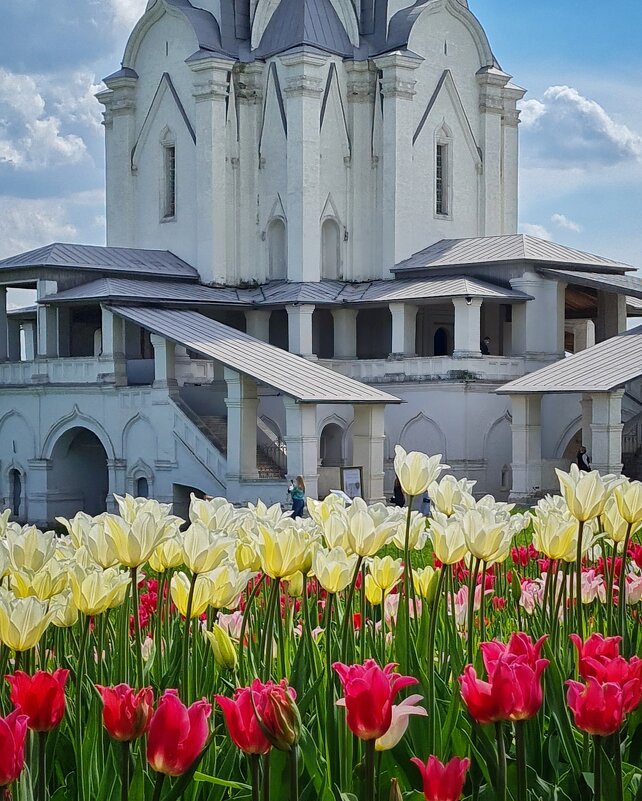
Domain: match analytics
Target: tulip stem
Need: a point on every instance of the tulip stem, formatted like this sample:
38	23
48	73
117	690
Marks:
188	619
347	616
597	768
407	580
138	648
471	608
293	765
273	603
369	767
255	769
41	787
124	771
80	668
246	615
158	787
520	748
501	762
619	789
578	581
622	594
266	777
431	660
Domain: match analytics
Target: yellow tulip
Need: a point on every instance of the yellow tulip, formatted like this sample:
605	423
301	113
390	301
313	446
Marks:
167	555
585	493
614	525
216	515
99	543
180	589
416	471
487	535
4	521
335	529
271	515
247	555
135	542
222	647
96	591
374	593
628	497
448	542
63	609
4	560
295	585
333	568
23	622
555	536
283	552
320	511
78	526
448	493
204	548
44	584
29	548
386	572
227	584
130	508
422	580
364	538
417	534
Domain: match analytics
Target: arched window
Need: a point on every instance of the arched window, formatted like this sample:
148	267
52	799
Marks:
15	488
142	487
168	168
330	250
330	446
277	250
441	342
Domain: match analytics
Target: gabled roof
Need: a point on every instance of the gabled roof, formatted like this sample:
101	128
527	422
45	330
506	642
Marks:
608	282
292	375
602	368
457	253
128	289
137	261
305	22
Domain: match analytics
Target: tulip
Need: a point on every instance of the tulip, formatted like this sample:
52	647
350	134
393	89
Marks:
423	582
227	584
320	511
40	697
99	544
134	542
217	514
126	713
29	548
597	708
204	550
487	535
449	493
333	568
283	552
615	526
555	536
241	719
96	591
222	647
365	538
519	647
13	731
246	555
177	734
335	531
294	585
599	658
180	592
64	611
417	533
78	527
483	699
448	542
585	493
443	782
416	471
23	622
168	555
43	584
280	715
401	714
386	572
369	693
628	497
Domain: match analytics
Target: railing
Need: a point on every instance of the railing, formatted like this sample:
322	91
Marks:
82	370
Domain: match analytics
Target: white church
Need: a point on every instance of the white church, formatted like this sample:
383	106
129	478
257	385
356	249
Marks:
312	255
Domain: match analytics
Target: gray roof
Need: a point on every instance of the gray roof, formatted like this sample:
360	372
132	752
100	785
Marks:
292	375
278	293
160	263
634	306
604	367
620	284
456	253
305	22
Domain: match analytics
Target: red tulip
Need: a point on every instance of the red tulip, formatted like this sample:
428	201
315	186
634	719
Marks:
599	658
281	715
13	731
596	647
126	713
597	708
443	782
40	697
369	693
520	647
177	735
482	698
241	720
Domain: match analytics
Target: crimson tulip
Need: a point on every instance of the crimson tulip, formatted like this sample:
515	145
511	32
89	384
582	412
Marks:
40	697
482	698
177	734
597	708
369	693
241	720
520	646
443	782
281	716
599	658
13	731
126	713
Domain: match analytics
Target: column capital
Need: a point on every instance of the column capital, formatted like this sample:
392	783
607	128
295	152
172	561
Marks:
398	79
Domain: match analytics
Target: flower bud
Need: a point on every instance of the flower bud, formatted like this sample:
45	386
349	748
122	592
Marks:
222	647
281	717
516	587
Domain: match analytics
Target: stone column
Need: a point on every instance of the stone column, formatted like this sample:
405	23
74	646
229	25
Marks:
404	329
606	431
583	334
211	91
302	443
398	214
258	324
120	136
527	446
164	363
345	333
47	321
113	344
587	418
467	328
117	474
510	165
304	90
29	328
13	340
37	489
611	315
538	324
4	327
368	448
242	407
491	105
300	329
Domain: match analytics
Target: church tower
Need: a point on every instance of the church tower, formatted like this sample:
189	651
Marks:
308	139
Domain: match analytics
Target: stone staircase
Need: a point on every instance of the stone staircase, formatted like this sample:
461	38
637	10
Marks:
216	430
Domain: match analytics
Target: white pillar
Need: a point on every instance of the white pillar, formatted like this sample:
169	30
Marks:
467	328
510	165
38	491
300	329
164	363
257	324
4	327
47	321
491	105
64	331
113	344
398	88
606	431
611	315
368	448
404	329
211	91
242	407
538	324
583	334
587	418
345	333
527	446
13	340
302	443
29	329
304	90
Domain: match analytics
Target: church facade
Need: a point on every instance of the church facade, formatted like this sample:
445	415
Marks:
312	255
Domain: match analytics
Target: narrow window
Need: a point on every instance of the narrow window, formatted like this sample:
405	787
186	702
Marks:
142	487
169	184
441	180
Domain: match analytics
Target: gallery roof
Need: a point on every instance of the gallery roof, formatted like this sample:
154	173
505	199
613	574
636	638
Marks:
621	284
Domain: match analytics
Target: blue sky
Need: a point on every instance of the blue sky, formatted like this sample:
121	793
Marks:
581	137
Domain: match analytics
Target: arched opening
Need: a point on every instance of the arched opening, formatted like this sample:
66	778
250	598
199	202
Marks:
15	492
330	446
142	487
440	346
79	479
279	331
330	250
277	250
323	333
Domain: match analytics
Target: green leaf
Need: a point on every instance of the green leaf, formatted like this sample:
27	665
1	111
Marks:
201	777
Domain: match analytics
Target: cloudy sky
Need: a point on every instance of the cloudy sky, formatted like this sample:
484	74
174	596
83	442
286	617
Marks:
581	137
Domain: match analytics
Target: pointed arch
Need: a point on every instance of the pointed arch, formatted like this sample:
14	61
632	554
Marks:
332	98
273	88
140	470
77	419
137	433
7	421
262	16
567	436
422	433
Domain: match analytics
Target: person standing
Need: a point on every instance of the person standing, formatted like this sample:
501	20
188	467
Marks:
583	460
297	492
398	497
484	346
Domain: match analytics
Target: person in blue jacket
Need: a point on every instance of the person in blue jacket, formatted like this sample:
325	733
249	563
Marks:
297	491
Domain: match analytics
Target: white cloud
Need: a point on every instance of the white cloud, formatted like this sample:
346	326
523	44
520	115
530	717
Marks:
27	223
562	221
127	12
536	230
567	130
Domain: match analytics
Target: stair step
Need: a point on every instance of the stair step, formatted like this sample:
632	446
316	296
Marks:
217	430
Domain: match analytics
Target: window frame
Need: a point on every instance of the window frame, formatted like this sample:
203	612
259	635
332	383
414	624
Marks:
443	171
168	183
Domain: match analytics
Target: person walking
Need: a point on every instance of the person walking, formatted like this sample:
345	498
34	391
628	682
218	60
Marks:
297	493
583	460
